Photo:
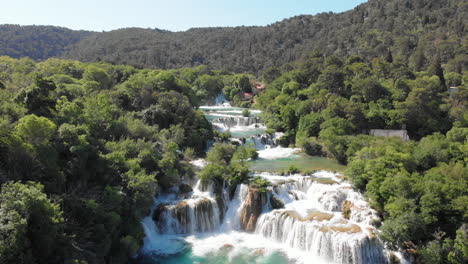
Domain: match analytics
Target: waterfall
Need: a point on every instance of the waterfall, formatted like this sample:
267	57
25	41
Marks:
232	217
188	216
319	214
343	243
263	141
313	221
237	121
315	218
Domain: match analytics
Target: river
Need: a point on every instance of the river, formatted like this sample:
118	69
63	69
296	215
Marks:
314	218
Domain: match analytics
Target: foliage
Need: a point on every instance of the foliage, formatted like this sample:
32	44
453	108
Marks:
227	163
396	30
32	227
327	105
260	183
96	139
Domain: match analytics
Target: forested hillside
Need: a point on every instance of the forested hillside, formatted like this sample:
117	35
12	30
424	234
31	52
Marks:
420	188
83	148
37	42
85	144
413	30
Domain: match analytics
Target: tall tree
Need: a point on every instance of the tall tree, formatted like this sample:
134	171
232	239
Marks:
436	69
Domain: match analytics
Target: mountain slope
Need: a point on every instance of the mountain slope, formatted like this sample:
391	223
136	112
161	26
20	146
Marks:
413	30
370	29
37	42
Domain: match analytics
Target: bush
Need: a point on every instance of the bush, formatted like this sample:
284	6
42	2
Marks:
293	169
260	183
312	147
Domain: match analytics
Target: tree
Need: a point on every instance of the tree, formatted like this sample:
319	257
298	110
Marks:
421	108
31	226
221	153
332	79
436	69
36	130
370	89
242	82
207	87
418	60
454	79
98	75
270	74
37	97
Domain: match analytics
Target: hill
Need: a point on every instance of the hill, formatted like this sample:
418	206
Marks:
37	42
412	30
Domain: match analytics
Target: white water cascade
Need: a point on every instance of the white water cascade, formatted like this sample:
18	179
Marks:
315	218
313	222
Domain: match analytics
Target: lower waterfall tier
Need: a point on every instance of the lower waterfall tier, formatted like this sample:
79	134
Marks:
339	241
187	216
317	218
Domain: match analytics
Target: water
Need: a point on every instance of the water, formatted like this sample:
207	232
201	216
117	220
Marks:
227	118
310	227
301	218
301	161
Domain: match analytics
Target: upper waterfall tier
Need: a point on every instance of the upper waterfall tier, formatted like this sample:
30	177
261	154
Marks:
227	118
237	121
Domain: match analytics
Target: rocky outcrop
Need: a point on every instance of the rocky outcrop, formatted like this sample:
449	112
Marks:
253	207
158	211
311	215
185	188
346	209
276	203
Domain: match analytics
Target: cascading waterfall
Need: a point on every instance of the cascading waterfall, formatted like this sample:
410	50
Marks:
237	121
316	218
188	216
313	221
264	141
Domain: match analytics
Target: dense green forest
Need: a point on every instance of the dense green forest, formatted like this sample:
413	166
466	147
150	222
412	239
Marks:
84	146
411	29
82	149
37	42
420	188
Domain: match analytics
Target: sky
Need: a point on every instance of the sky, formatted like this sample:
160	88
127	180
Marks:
174	15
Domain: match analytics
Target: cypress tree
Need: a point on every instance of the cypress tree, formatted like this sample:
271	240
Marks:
436	69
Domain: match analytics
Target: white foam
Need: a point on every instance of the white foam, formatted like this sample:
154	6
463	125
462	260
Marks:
199	163
277	153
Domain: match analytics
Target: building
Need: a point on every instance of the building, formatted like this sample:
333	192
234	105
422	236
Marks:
402	133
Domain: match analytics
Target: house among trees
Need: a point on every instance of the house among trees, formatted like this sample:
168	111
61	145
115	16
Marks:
248	96
402	133
257	87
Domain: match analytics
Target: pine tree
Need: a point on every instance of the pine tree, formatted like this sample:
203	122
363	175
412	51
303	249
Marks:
436	69
418	60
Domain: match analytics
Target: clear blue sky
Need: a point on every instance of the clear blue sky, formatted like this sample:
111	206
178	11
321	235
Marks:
175	15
